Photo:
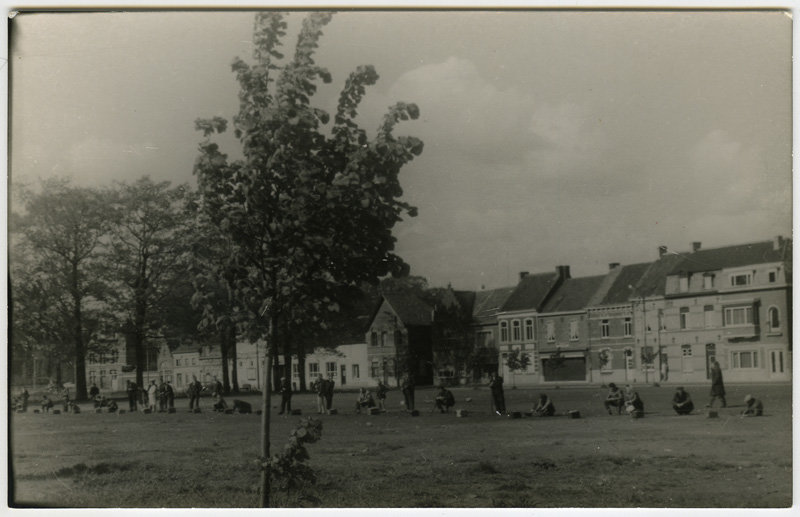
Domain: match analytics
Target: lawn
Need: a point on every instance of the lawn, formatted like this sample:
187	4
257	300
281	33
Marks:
434	460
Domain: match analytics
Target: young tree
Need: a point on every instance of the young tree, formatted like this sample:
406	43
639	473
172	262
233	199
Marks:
148	250
58	238
516	362
310	211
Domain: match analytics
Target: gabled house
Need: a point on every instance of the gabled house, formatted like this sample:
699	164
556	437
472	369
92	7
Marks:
611	330
486	332
400	338
516	320
563	331
732	304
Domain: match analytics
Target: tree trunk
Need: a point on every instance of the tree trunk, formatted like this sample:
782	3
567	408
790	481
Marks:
234	358
301	366
223	350
80	352
265	410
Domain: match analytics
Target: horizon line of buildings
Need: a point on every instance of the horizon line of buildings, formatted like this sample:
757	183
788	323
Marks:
661	321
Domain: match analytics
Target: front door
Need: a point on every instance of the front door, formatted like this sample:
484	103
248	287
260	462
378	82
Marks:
344	375
777	365
711	354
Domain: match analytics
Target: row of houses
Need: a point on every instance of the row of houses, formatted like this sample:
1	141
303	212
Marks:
661	321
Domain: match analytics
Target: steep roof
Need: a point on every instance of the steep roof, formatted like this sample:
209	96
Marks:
187	349
488	303
531	292
653	281
410	309
573	294
624	283
713	259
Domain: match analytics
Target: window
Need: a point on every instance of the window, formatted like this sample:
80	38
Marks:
92	377
529	329
383	338
777	361
747	359
194	361
708	316
773	319
686	358
738	316
330	369
356	372
550	330
573	330
374	338
504	332
740	279
708	281
628	359
515	330
628	327
313	370
295	371
375	369
683	283
604	331
684	314
772	276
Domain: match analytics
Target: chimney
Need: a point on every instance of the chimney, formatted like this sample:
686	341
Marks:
563	272
777	242
695	245
522	274
662	250
613	265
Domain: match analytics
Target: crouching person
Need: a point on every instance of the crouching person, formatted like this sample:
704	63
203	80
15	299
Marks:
682	402
444	400
544	407
240	406
364	400
754	407
220	404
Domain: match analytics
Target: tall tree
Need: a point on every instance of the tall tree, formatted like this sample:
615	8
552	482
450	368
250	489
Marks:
310	211
60	232
148	249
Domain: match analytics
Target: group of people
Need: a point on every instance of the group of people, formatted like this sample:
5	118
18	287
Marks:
324	390
620	400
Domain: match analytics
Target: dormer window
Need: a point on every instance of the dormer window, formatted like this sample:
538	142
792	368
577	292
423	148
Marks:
741	279
683	283
708	281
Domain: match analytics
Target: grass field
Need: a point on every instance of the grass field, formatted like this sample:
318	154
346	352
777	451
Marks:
434	460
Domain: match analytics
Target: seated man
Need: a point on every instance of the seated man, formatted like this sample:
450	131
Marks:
633	403
614	399
364	400
444	400
682	402
544	407
47	404
111	406
754	407
220	404
240	406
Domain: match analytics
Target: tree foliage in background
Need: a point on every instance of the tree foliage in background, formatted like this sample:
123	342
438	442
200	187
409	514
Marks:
517	361
148	256
309	208
56	277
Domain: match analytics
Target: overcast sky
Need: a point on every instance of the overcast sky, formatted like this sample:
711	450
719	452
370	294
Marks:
551	137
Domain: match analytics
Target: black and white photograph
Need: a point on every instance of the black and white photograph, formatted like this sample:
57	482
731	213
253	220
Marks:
384	258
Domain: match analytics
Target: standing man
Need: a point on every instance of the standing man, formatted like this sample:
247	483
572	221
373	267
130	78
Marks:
380	392
408	391
132	390
216	387
318	387
329	393
170	396
717	388
498	397
193	391
286	396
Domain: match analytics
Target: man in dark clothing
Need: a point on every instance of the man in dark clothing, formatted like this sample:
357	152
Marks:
408	391
133	391
240	406
614	399
286	396
329	393
444	400
193	391
717	387
544	407
682	402
216	387
380	393
162	397
94	391
498	397
170	395
24	398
